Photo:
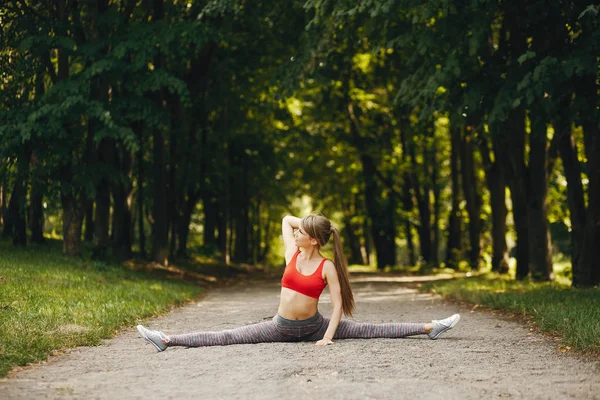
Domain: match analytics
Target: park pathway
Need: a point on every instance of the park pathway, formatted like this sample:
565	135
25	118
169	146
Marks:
484	357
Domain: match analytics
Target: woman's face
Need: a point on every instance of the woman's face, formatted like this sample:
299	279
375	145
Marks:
303	239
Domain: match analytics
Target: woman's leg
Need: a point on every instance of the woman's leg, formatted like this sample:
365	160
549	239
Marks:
256	333
348	329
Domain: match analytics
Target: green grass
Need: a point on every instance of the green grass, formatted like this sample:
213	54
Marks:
49	302
556	308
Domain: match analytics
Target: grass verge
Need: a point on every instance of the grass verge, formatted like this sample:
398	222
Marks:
573	314
49	302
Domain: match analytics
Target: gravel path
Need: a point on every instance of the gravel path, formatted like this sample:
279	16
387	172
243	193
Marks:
485	356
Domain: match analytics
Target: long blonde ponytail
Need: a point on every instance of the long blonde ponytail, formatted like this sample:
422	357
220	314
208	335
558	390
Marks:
341	266
320	228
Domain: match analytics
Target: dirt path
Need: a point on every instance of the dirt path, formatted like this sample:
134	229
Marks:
483	357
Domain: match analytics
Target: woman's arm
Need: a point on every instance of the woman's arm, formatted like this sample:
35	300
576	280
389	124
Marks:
288	224
336	302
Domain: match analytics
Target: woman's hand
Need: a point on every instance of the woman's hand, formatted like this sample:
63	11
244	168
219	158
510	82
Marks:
324	342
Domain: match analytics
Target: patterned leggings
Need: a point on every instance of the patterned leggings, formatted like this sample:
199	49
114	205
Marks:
284	330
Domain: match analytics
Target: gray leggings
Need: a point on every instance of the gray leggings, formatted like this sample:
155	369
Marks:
280	329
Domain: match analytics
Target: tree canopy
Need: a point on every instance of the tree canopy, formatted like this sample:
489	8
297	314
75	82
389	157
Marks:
442	133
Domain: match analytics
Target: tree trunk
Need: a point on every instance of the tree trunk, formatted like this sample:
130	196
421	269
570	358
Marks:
89	222
8	214
436	203
424	226
36	219
18	212
540	251
183	226
160	211
378	208
73	209
241	240
512	153
378	214
72	199
544	40
224	212
172	193
210	220
251	232
497	188
496	184
140	189
352	239
186	188
368	241
391	225
254	232
2	195
160	234
412	260
7	226
230	235
472	199
453	247
266	240
173	223
587	272
407	207
423	205
512	140
241	220
221	228
407	198
575	197
196	157
257	226
18	199
122	226
140	205
101	220
105	155
422	196
197	187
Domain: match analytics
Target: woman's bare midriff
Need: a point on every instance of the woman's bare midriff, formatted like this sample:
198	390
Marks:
296	306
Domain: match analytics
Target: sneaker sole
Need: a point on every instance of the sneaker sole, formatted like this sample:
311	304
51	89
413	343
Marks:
141	330
450	327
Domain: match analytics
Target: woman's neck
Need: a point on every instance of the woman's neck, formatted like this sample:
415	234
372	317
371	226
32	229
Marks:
311	253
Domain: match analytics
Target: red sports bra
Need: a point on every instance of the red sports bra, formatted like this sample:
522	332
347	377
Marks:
311	285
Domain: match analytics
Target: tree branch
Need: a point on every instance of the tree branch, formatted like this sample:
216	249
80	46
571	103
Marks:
553	150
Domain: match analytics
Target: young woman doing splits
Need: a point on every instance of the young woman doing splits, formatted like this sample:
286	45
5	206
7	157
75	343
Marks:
298	319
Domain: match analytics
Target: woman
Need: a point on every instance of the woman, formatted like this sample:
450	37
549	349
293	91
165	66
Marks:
298	319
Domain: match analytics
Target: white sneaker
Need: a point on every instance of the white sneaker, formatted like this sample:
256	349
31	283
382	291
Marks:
153	337
443	325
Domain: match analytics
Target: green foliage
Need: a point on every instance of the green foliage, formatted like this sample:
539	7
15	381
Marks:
253	102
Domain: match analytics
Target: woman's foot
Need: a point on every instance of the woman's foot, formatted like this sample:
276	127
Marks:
156	338
443	325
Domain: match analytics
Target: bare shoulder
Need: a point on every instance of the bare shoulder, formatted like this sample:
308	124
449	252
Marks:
329	270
